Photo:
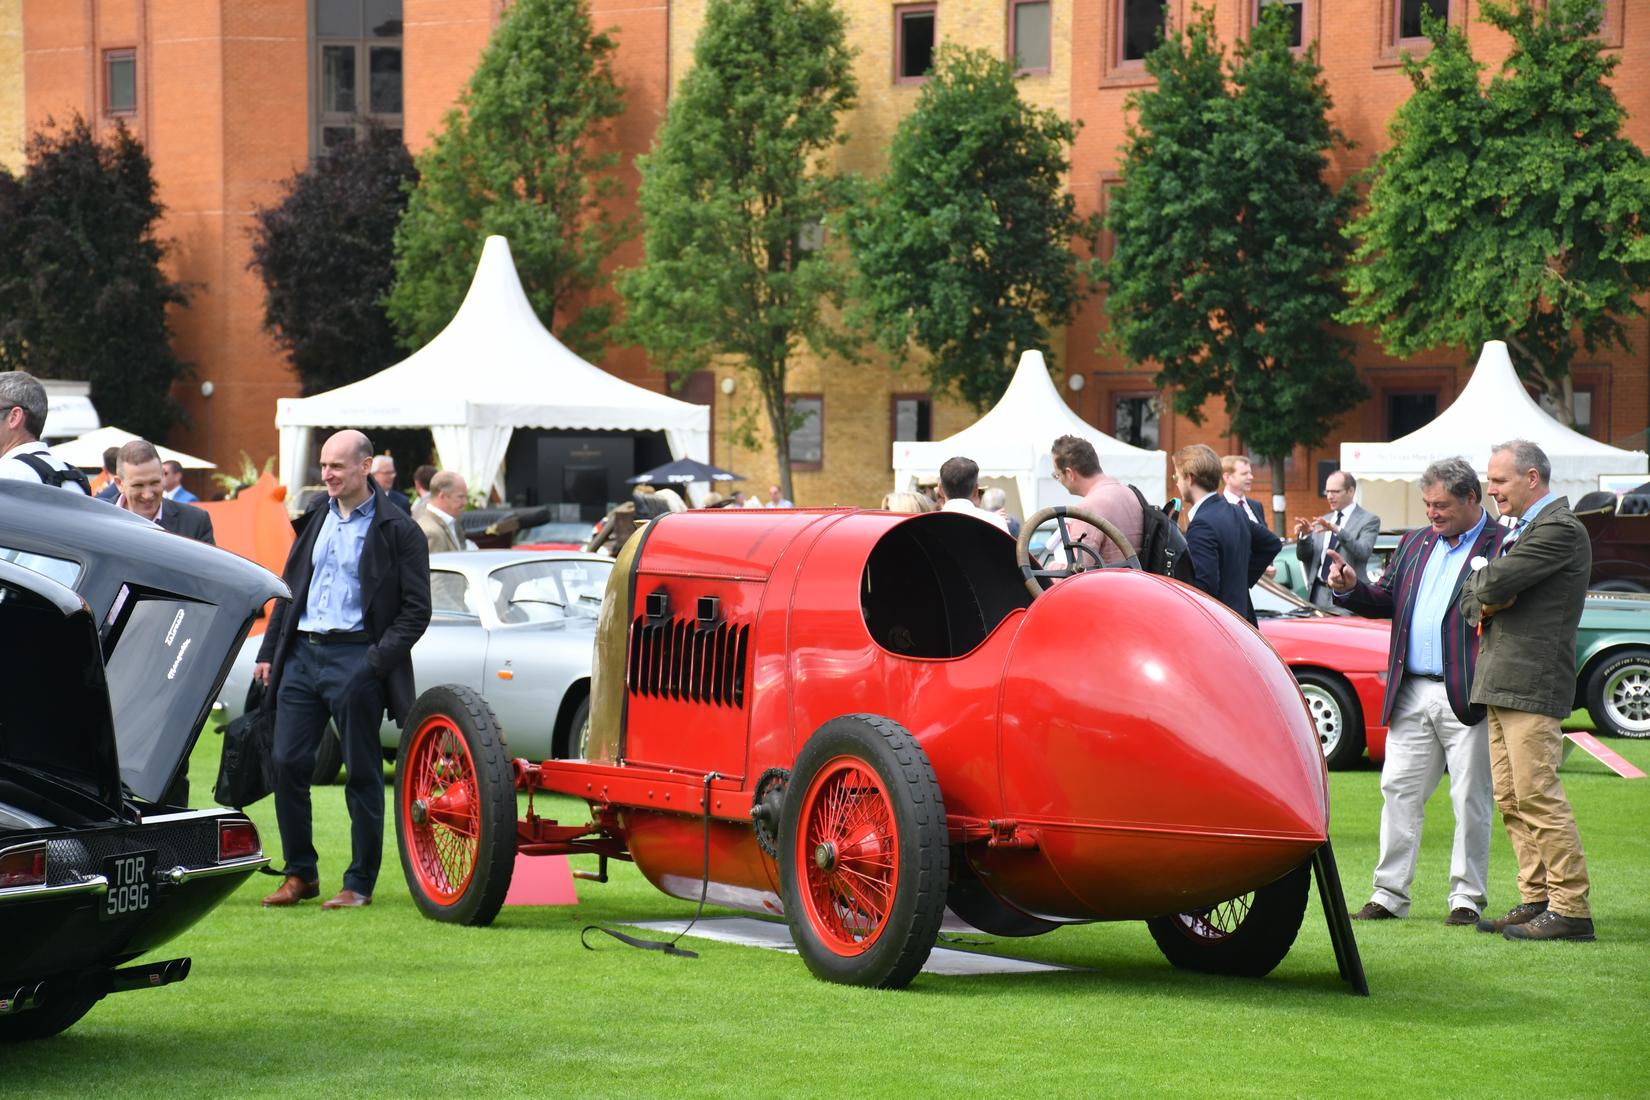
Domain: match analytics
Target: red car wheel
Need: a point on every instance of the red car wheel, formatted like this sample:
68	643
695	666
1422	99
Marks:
863	853
1246	936
455	807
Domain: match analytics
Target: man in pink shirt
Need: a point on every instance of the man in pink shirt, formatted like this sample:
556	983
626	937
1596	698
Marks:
1077	468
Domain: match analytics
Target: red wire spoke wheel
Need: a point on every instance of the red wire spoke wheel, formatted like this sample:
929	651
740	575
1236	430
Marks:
1245	936
455	807
863	853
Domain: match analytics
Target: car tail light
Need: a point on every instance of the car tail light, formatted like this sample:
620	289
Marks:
23	866
237	840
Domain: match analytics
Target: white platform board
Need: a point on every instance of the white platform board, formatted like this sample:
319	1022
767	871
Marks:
776	936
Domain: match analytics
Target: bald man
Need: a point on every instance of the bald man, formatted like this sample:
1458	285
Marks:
342	649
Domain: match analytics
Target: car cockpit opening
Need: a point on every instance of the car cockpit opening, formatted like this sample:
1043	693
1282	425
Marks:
937	585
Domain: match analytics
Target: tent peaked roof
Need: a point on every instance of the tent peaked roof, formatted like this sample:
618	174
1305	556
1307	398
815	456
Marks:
1494	407
494	363
1032	414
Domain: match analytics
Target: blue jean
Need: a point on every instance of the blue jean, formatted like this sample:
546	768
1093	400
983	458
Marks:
321	681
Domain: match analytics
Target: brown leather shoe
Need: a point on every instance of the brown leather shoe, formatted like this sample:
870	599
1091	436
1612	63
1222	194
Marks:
1461	915
1518	914
1552	925
347	899
1374	911
292	891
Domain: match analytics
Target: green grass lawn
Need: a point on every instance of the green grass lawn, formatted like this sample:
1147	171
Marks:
381	1002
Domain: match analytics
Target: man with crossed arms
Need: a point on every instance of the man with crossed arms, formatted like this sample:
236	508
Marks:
1429	681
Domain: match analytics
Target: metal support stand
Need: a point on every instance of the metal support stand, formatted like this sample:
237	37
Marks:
1340	923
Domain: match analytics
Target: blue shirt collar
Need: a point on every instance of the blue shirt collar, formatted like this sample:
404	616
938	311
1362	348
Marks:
1535	509
366	509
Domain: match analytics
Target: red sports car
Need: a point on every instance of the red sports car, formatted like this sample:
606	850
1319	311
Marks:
1339	660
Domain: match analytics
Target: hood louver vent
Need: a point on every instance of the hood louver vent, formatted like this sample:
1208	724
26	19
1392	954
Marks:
675	659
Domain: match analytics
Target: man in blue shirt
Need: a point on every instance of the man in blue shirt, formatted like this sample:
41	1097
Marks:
1429	682
342	649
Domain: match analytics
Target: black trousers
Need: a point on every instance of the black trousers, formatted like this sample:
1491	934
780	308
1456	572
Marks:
321	681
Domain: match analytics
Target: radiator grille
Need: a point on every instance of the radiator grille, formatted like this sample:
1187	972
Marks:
673	658
177	844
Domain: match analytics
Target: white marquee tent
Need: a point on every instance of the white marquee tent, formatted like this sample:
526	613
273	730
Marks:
1012	443
87	450
493	369
1493	408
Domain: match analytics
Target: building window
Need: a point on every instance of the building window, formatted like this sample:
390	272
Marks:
1297	18
1582	399
1139	28
1028	35
357	68
1106	244
913	42
1409	16
808	436
1136	419
120	83
913	417
1407	412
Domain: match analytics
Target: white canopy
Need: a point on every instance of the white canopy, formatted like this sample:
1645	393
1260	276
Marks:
1493	408
1012	442
69	410
87	451
493	369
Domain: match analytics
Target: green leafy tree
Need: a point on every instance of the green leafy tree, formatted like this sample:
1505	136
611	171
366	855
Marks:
1515	211
82	293
733	196
326	254
521	156
1229	249
965	247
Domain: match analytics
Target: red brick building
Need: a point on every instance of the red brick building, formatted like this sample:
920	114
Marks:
232	97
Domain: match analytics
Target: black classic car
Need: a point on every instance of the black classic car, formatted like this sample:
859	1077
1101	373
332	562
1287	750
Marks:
115	637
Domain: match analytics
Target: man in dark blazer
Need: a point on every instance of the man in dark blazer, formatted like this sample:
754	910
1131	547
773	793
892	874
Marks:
1433	724
342	649
140	484
1237	478
1526	602
1346	528
1229	552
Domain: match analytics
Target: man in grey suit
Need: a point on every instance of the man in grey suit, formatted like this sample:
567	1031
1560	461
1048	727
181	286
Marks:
1526	603
142	492
439	519
1346	529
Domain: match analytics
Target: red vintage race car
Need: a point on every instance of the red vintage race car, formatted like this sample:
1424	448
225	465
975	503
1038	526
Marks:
856	719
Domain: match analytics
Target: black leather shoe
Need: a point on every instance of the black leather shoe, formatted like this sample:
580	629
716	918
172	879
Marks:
1461	915
1374	911
1552	926
1518	914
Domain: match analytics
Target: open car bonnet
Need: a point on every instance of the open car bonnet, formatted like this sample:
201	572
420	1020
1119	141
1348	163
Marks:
170	614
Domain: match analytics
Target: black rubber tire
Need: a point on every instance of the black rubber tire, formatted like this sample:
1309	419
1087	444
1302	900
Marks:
1248	944
1619	584
917	905
971	900
56	1015
476	900
1336	714
1618	693
329	758
577	741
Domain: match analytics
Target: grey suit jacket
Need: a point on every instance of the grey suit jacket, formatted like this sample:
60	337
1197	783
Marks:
436	532
1526	652
1358	530
186	520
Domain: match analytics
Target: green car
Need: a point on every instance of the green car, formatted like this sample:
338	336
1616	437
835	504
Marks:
1612	646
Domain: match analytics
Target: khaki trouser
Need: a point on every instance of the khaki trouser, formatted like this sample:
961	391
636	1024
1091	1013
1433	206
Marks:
1525	751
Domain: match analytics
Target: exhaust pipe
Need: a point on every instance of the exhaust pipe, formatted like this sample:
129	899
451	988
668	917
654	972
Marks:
23	998
148	976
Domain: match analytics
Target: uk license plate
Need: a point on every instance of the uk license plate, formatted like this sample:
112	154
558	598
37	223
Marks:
131	884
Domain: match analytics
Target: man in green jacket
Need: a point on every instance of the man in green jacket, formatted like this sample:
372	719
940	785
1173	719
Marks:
1526	602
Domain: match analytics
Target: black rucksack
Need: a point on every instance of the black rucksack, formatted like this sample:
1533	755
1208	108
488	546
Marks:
51	475
1162	548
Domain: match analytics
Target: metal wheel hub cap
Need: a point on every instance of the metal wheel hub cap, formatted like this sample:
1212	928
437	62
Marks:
420	811
825	856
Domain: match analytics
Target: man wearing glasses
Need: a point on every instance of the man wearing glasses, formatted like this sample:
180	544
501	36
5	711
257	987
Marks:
22	418
1346	529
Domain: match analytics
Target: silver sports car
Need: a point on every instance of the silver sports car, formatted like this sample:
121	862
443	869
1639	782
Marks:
517	626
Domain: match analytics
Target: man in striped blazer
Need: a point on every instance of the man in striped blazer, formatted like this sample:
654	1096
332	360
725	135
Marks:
1429	681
